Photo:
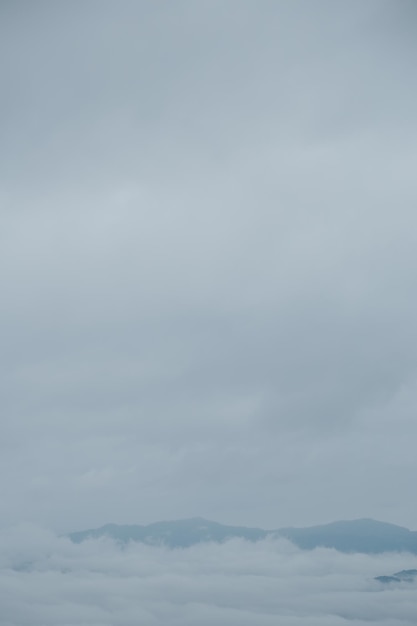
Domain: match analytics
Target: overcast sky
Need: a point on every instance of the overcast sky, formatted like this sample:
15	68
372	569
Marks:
208	261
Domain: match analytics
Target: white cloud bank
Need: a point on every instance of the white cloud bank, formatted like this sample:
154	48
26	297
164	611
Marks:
47	581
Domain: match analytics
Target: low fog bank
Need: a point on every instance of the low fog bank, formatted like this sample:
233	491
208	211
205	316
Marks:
48	581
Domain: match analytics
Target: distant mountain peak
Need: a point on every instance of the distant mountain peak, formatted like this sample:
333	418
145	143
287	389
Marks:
361	535
406	575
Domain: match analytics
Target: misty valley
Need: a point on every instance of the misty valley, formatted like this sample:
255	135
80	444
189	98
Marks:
196	572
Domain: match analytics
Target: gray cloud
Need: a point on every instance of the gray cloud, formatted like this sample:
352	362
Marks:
46	580
207	260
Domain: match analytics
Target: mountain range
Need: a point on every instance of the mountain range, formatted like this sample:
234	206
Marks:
406	575
363	535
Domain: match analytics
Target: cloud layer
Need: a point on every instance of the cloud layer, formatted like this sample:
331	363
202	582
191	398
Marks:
47	581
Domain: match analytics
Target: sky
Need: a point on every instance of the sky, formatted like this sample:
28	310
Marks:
207	262
47	581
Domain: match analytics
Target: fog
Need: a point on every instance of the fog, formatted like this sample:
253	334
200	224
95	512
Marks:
48	581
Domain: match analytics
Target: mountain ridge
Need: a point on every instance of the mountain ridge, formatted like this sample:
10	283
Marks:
360	535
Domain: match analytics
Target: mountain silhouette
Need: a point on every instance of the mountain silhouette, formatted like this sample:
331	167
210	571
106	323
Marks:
363	535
